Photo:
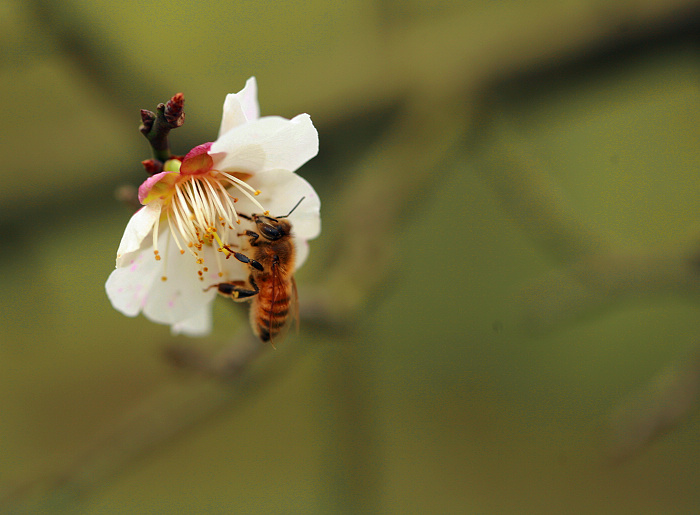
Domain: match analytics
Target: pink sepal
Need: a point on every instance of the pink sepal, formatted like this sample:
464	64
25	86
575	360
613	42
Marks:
197	161
156	186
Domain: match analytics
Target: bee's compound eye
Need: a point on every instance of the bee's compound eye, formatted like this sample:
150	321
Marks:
270	232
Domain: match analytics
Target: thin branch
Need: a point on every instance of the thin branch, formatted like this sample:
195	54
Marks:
156	126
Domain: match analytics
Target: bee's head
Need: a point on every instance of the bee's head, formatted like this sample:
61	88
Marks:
271	228
275	228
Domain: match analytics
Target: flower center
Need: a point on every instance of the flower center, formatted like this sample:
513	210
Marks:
201	212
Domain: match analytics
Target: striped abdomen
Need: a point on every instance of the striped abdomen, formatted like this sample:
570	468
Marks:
271	308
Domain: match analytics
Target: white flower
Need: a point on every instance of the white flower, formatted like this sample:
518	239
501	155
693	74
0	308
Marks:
171	250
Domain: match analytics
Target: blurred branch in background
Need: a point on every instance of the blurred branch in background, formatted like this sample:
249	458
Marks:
445	105
657	409
96	57
167	413
596	274
592	285
528	194
596	283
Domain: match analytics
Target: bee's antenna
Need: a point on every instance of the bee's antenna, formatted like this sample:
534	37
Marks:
292	210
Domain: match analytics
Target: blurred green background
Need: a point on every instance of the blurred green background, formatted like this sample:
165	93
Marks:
436	401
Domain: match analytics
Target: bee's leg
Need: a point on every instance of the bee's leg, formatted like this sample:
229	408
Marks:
252	235
237	290
244	259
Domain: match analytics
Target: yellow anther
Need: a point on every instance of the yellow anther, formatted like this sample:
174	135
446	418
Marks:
163	278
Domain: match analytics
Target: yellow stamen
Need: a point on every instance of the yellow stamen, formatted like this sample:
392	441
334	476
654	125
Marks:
243	186
222	247
200	211
155	238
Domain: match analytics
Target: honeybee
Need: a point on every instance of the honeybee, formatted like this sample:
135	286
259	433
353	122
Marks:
271	285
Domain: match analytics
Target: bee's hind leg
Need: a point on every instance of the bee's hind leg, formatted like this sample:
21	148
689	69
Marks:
237	290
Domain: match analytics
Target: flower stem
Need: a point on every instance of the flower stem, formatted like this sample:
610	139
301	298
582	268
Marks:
156	126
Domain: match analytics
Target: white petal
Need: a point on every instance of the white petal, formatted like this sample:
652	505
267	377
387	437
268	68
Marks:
128	286
180	301
267	143
137	230
280	192
302	248
182	294
197	325
240	107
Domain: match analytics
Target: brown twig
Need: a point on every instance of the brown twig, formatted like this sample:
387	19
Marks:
156	126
